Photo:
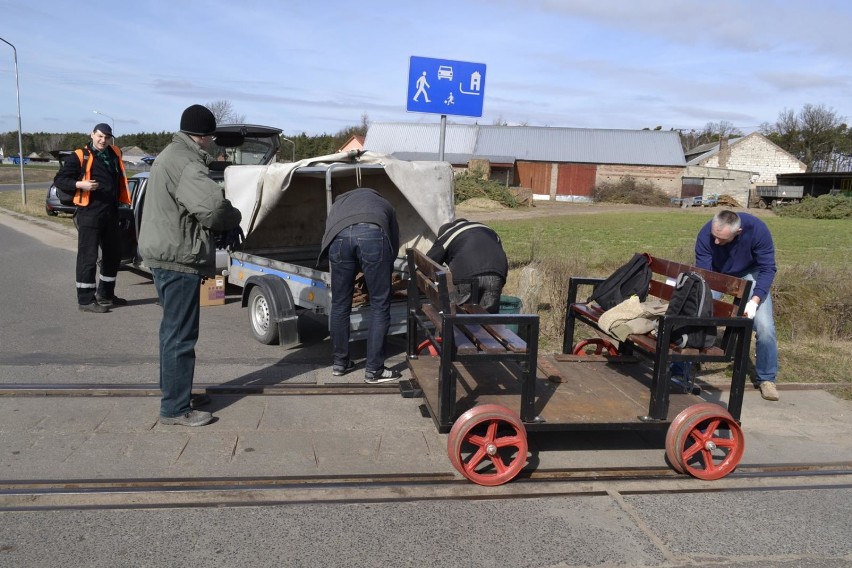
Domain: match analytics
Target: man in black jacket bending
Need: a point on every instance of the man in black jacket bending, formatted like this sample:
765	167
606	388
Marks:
361	235
473	252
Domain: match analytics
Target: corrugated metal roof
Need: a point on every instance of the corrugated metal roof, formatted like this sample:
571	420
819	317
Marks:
455	159
534	143
700	153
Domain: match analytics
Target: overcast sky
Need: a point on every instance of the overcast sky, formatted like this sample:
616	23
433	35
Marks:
317	66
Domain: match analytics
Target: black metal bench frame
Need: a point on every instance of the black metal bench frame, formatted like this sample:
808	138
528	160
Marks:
728	311
465	333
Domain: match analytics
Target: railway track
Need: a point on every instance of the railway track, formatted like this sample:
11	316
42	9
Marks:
32	495
116	390
294	389
190	492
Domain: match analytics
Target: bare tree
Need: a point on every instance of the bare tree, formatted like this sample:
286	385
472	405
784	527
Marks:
714	131
224	112
816	135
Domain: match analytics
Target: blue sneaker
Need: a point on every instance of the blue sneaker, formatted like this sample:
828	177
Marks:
383	375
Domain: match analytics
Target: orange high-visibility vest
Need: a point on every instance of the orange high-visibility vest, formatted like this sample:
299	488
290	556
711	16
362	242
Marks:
81	196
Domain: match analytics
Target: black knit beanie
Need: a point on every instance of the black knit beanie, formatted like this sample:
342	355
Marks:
198	120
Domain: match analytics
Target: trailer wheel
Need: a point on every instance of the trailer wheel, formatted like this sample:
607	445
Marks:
594	346
761	204
671	454
260	317
488	445
709	444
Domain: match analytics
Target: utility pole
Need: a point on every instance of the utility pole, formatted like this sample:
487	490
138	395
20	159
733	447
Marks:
111	120
20	142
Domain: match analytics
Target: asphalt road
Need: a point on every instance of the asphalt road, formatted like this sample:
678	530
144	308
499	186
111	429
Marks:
28	186
45	339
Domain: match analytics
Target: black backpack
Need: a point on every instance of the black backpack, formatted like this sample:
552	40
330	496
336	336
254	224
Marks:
629	279
692	297
65	197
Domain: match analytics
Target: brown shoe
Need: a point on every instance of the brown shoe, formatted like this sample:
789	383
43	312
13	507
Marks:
768	390
94	308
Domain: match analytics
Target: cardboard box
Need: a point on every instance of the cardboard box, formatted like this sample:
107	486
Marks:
213	291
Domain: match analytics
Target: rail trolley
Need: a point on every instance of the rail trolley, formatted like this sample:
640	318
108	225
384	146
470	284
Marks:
485	384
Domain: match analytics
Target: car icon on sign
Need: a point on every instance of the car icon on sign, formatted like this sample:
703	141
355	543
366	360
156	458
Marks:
445	72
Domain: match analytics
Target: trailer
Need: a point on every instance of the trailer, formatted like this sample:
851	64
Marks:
284	208
774	195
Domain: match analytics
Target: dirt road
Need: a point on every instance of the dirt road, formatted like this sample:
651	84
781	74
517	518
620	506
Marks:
487	210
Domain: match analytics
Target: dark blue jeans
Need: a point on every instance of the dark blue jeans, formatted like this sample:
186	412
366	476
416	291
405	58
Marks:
178	294
362	247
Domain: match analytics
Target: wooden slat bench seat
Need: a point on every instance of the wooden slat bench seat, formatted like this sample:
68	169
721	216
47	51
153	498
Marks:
728	312
464	332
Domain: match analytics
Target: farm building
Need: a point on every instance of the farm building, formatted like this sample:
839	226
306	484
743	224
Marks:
753	153
561	164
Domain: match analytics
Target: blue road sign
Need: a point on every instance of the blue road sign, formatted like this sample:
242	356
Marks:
444	86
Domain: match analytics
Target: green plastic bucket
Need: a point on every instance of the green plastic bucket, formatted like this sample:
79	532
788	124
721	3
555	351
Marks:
510	305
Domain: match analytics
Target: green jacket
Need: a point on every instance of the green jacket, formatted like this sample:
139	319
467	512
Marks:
183	207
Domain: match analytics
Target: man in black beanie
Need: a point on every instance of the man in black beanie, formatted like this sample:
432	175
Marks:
183	207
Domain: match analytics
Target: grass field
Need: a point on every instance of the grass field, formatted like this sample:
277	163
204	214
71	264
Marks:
607	239
812	291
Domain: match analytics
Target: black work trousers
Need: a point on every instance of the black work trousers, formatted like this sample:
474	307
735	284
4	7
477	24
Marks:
97	232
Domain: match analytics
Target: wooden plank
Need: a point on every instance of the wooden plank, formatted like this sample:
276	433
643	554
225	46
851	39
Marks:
617	359
550	370
501	333
588	311
482	338
463	344
434	316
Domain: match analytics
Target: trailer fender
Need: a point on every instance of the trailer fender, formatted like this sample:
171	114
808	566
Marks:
278	321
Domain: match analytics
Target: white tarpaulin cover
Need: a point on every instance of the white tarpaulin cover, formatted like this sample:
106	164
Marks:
285	205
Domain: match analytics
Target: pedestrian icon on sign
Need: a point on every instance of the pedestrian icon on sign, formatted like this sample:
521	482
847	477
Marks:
421	88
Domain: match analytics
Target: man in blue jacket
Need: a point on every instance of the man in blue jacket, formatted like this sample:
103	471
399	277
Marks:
741	245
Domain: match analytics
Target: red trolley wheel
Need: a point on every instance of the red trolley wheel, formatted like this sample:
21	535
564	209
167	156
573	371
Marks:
495	442
709	445
692	410
599	343
427	346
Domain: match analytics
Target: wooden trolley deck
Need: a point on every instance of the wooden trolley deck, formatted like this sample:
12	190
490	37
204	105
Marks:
593	395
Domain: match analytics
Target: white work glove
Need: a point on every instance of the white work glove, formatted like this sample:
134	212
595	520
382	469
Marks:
751	309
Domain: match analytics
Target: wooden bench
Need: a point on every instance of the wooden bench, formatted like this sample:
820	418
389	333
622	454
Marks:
728	312
464	333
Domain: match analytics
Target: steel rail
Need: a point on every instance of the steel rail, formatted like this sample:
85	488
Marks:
121	390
